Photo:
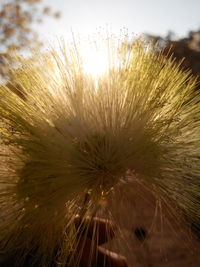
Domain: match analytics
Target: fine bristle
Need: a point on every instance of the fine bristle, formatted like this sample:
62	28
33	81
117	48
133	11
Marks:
66	134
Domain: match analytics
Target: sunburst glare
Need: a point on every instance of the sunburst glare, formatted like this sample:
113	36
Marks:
95	62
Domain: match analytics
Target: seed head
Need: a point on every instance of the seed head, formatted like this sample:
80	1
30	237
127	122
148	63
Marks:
66	133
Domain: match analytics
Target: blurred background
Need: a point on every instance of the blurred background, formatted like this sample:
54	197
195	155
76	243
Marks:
30	24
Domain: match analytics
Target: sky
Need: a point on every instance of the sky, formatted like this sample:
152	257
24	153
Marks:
138	16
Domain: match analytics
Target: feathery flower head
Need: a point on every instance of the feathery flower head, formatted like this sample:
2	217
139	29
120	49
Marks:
66	133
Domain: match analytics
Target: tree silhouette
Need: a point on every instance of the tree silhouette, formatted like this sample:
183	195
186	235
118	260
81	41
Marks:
186	50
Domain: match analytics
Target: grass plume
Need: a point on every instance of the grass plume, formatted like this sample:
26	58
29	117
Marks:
72	133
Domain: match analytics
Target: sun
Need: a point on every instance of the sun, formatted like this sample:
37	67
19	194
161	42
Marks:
94	61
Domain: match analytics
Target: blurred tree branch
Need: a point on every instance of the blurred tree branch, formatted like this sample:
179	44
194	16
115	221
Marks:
17	20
